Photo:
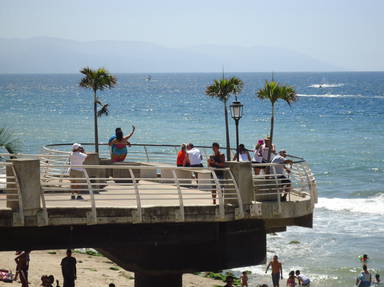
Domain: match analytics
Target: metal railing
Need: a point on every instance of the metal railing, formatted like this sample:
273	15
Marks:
10	192
137	185
272	185
161	153
140	186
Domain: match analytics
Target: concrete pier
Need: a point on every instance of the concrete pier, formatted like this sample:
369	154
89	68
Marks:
157	227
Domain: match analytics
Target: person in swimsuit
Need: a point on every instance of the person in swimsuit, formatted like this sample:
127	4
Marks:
291	281
118	144
277	271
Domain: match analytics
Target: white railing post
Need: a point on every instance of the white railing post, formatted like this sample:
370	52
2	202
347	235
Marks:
309	184
93	214
20	196
138	199
181	203
45	212
220	194
277	188
146	153
240	201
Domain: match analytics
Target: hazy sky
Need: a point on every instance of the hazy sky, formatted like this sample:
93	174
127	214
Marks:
346	33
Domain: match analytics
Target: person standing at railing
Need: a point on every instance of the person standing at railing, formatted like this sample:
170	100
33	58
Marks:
76	173
195	156
280	162
258	156
119	143
243	154
217	161
182	156
265	150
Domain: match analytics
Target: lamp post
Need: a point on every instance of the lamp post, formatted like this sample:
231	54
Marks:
236	114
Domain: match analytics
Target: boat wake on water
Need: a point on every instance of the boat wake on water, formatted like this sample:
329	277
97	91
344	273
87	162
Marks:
339	96
319	86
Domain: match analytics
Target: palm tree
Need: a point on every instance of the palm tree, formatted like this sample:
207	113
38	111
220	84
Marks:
97	80
222	89
273	92
8	141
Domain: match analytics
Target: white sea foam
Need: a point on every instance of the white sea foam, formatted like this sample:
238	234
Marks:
326	85
339	96
372	205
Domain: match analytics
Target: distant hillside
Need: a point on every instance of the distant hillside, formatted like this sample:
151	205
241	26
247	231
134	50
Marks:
52	55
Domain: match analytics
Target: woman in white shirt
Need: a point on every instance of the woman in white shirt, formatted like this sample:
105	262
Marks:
77	158
243	154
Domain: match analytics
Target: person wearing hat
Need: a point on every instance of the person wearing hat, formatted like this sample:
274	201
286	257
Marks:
278	168
75	173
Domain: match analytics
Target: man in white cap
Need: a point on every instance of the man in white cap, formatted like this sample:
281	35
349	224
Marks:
76	159
280	161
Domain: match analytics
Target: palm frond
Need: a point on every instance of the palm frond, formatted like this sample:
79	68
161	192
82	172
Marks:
103	111
8	141
223	88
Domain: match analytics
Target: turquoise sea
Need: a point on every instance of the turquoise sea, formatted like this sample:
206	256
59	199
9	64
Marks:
337	126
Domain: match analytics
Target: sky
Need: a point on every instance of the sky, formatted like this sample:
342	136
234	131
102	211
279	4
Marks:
344	33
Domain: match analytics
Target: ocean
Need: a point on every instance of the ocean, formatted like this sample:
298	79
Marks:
336	125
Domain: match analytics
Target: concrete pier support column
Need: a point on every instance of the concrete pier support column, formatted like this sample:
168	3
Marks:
28	177
242	172
166	279
93	159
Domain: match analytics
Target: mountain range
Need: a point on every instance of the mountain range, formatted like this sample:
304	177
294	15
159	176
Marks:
54	55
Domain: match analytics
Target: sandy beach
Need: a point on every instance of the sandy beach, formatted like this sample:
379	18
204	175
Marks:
92	271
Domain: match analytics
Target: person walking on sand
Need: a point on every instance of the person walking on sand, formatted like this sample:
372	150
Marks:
22	263
303	280
68	269
277	270
364	279
119	143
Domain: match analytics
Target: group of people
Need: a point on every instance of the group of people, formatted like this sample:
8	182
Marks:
365	277
118	144
68	270
295	278
191	156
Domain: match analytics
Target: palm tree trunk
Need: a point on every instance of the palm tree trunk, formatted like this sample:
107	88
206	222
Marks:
271	132
227	132
95	122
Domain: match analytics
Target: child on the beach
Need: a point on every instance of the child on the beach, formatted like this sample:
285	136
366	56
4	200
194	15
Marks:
244	279
291	281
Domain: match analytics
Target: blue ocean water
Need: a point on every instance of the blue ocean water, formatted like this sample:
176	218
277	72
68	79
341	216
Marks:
337	126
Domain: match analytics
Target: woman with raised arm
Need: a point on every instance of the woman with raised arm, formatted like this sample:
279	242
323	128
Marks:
118	144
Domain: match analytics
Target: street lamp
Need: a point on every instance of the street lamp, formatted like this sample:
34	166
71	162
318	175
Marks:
236	114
